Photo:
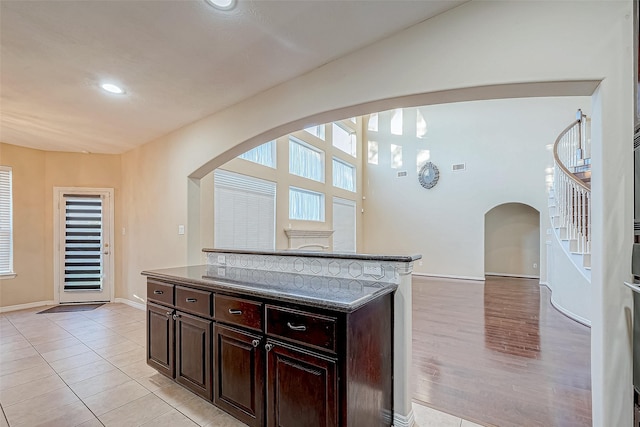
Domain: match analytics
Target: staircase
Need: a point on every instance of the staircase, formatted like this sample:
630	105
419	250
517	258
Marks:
570	195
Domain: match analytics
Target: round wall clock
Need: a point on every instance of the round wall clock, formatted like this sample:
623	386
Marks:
428	175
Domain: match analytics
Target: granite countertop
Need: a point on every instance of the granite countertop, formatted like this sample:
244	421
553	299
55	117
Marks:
338	255
323	292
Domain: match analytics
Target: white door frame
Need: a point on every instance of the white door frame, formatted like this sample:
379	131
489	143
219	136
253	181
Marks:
58	192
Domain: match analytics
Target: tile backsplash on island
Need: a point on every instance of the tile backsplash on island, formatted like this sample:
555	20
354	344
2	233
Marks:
382	269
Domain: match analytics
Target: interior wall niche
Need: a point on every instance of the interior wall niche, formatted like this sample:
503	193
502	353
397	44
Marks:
512	241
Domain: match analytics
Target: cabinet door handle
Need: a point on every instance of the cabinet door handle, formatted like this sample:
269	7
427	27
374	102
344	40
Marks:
176	316
299	328
192	300
169	313
157	292
268	347
255	343
235	312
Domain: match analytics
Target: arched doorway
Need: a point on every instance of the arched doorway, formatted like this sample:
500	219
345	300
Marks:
512	241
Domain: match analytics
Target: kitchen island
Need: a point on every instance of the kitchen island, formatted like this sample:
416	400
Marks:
284	338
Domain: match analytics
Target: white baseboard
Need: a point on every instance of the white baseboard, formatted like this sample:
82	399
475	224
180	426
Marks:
569	314
408	420
133	304
522	276
25	306
449	276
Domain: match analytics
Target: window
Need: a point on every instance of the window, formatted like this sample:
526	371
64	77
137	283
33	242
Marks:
373	122
421	125
396	156
317	131
344	139
305	160
344	225
373	152
344	175
6	222
422	157
306	205
264	154
396	122
244	212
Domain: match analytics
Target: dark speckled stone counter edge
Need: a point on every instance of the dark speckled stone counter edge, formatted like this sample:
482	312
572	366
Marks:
185	276
339	255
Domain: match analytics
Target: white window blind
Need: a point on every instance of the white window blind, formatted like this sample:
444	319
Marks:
306	205
306	161
344	225
244	212
263	154
83	243
344	175
6	221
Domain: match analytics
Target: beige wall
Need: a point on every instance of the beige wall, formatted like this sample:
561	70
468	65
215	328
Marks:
512	240
35	174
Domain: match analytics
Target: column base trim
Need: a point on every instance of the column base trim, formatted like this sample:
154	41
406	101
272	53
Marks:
408	420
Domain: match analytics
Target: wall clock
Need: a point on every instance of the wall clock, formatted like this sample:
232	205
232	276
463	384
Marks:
428	175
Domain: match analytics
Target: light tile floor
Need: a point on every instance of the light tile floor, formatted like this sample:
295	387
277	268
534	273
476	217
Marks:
88	369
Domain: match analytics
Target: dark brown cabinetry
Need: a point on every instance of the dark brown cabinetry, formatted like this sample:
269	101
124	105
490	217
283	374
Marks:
302	388
239	380
193	353
271	363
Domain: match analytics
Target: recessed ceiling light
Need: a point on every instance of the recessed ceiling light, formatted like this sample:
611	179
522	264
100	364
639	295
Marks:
111	88
222	4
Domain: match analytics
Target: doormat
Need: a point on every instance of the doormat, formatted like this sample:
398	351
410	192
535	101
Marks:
70	307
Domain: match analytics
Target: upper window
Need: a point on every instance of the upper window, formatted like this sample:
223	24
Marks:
373	122
305	160
373	152
264	154
344	175
6	222
344	139
306	205
317	130
396	122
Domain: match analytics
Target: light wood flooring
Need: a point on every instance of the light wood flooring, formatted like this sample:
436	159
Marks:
499	354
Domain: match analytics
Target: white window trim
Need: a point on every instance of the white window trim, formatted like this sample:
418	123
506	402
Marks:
11	273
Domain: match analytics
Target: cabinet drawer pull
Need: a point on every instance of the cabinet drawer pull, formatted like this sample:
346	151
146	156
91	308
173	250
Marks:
255	343
169	313
299	328
176	316
268	347
235	312
158	292
192	300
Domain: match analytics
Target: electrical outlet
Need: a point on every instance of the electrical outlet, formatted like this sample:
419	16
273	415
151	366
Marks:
535	265
181	229
372	269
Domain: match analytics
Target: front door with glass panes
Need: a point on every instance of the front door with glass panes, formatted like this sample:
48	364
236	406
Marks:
83	245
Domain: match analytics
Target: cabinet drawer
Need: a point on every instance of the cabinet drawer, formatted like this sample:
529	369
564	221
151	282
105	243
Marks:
237	311
194	300
306	328
160	292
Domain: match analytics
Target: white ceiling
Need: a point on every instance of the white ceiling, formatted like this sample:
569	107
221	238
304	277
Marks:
178	60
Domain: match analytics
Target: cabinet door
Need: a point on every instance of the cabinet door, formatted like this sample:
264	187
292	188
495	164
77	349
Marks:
160	332
193	353
301	388
239	374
